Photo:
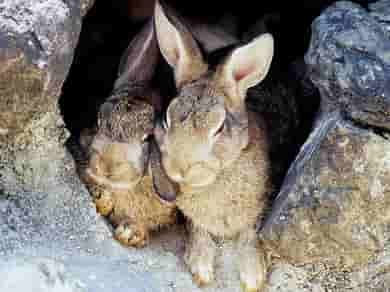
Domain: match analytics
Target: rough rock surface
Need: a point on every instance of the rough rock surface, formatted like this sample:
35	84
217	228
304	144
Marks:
331	215
349	61
37	39
338	199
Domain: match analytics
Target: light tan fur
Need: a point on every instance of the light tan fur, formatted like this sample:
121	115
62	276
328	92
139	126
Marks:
134	210
234	201
121	162
216	150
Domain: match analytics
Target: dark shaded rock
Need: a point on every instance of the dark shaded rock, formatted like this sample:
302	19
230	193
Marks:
334	203
330	216
349	61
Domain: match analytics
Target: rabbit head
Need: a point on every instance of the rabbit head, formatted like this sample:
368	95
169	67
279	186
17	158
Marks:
206	124
121	149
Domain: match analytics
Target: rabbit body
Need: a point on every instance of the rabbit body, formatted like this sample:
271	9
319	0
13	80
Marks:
121	166
215	149
234	201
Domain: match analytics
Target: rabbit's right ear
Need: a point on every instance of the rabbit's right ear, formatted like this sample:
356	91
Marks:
245	67
178	47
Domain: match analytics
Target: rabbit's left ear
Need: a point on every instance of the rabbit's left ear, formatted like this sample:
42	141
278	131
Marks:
140	59
178	47
162	185
245	67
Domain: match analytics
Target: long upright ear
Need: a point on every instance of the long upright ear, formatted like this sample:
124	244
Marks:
178	47
139	61
245	67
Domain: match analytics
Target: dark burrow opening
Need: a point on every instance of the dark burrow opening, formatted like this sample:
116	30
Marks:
286	98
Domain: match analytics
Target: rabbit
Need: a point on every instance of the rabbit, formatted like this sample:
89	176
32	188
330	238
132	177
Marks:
122	166
215	149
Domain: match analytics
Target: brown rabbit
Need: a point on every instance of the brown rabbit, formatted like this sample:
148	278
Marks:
122	169
215	149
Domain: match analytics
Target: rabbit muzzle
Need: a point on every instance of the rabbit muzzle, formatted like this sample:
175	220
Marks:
197	175
117	167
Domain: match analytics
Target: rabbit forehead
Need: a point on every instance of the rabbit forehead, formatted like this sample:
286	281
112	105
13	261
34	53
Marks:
197	101
128	121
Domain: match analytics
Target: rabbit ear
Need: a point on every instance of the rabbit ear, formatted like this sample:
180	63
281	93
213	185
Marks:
178	47
140	59
162	185
246	67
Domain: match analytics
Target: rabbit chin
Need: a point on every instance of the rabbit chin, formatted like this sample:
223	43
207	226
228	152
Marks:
103	181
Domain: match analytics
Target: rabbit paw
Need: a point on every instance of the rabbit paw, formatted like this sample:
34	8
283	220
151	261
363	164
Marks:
200	256
103	202
131	235
252	273
201	267
252	263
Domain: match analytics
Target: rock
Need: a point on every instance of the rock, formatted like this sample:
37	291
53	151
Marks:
37	39
349	61
380	10
287	278
330	216
38	276
333	204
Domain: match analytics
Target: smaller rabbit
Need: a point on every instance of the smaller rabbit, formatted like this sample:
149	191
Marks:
122	162
216	149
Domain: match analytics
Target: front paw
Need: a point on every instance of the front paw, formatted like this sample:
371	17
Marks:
130	234
200	257
201	267
252	271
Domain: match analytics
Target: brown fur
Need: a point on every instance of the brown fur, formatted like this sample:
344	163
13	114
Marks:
134	212
120	165
235	200
216	150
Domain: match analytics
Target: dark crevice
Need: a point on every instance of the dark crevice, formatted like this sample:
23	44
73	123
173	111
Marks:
105	34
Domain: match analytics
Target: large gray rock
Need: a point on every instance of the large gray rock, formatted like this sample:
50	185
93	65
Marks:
334	202
37	42
330	216
380	10
349	61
